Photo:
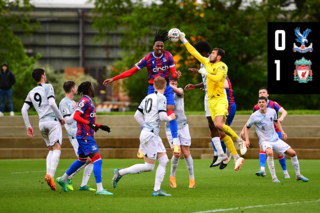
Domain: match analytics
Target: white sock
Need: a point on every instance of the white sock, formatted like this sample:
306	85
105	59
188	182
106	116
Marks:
175	141
295	164
174	165
161	171
271	167
215	154
77	171
217	144
49	161
64	177
236	156
86	174
263	169
99	187
285	172
137	168
189	162
54	162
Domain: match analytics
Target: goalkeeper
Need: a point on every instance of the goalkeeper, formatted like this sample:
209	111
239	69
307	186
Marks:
216	72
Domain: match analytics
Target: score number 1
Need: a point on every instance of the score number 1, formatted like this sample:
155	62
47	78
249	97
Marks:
282	33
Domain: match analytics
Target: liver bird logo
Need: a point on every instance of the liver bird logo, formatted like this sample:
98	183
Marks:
303	74
302	38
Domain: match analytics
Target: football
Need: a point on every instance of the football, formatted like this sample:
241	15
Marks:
174	34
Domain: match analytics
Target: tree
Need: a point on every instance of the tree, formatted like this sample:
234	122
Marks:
241	30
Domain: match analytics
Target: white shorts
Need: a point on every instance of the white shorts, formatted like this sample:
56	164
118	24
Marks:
151	145
75	145
51	132
279	146
206	106
183	136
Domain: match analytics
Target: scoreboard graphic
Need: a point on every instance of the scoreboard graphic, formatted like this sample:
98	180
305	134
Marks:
294	57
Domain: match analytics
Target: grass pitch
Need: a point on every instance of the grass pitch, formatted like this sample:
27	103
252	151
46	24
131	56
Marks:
23	189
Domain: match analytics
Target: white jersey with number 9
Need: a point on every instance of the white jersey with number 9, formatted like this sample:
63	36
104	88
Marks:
39	98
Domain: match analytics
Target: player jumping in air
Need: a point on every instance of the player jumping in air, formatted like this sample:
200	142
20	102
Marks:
153	107
216	72
183	136
67	108
43	100
264	120
263	92
85	116
159	63
204	49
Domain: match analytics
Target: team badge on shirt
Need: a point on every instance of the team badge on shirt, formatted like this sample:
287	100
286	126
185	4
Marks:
302	38
303	72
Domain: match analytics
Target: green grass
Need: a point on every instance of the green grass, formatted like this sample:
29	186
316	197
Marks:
239	112
23	189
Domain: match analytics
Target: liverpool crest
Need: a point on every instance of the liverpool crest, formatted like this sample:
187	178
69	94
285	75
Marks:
302	39
303	72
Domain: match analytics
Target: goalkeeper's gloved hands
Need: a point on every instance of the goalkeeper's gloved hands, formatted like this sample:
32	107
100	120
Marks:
93	126
183	38
105	128
203	71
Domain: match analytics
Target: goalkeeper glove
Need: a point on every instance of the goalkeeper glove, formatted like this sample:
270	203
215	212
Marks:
203	71
93	126
183	38
105	128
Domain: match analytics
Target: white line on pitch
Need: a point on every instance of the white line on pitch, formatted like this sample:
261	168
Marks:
257	206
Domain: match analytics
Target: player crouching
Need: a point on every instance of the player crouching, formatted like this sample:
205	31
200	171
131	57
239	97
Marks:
153	107
268	138
184	138
85	116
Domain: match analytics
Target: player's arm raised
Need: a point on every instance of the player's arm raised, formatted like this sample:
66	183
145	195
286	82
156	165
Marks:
213	77
192	50
177	90
122	75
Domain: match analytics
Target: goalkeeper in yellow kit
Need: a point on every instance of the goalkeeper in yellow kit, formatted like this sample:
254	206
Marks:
216	72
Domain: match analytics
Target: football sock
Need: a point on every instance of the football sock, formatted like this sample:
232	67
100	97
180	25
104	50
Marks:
263	169
64	177
86	174
217	144
282	161
49	161
97	164
295	164
75	166
174	128
271	167
76	172
236	156
137	168
55	157
230	145
161	171
214	148
262	158
224	148
189	162
226	129
174	165
99	187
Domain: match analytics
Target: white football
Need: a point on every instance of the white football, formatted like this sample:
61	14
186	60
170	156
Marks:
174	34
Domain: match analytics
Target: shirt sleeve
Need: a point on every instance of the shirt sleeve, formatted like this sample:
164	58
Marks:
196	54
64	109
255	108
222	70
275	116
276	106
82	105
140	107
162	103
142	63
49	91
251	121
28	100
171	61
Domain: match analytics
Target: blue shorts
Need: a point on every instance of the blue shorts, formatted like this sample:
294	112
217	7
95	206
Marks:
168	94
87	146
280	136
232	111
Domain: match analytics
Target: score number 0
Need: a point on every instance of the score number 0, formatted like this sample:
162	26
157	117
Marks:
282	33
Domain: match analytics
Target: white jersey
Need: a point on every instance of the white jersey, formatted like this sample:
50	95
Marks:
204	79
151	106
178	111
264	125
67	108
39	98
